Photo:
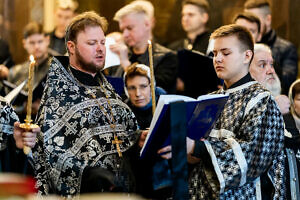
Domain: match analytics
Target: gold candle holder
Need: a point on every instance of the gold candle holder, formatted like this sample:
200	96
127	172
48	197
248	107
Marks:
152	76
28	126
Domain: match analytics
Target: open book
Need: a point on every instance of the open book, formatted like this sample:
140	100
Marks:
201	115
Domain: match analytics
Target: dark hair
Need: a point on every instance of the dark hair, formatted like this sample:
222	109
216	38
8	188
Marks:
33	28
133	71
203	5
256	4
249	17
242	34
80	22
296	89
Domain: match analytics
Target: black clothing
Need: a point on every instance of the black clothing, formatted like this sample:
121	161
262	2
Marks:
292	147
286	59
200	44
197	72
143	117
57	44
165	66
19	73
145	171
5	56
12	159
62	152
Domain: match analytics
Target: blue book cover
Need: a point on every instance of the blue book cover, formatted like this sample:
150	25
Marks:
117	83
201	115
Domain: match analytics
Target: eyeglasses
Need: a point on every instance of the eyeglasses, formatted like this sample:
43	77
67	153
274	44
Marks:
141	87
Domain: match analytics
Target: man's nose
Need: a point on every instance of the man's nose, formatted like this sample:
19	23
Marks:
125	33
270	69
36	45
100	47
218	58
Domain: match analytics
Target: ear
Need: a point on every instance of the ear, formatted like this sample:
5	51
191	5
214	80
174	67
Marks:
147	23
268	20
47	40
71	47
259	37
152	22
248	56
205	17
24	44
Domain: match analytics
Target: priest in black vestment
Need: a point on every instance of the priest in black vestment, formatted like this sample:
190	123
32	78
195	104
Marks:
86	130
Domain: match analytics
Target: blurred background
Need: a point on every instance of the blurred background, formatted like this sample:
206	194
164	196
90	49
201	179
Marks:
15	14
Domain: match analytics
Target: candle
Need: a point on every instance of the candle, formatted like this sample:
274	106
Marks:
30	80
152	75
28	125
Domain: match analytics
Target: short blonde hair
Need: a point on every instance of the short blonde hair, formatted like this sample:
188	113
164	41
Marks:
138	6
67	5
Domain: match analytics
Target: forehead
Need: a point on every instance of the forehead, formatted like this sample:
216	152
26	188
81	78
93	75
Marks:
132	18
226	42
297	95
136	80
246	23
190	8
36	36
91	32
64	12
263	55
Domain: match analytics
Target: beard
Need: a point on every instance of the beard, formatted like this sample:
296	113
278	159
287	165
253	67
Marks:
88	66
275	87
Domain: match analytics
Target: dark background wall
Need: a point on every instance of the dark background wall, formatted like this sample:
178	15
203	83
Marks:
16	13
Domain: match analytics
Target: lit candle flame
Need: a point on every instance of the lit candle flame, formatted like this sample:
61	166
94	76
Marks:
149	42
31	58
28	125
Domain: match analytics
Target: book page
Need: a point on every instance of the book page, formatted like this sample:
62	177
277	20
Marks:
111	58
210	96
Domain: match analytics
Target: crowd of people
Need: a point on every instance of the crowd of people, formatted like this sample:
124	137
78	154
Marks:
89	137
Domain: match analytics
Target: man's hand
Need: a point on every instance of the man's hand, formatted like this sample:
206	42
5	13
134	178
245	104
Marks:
283	103
143	137
3	72
23	137
166	152
122	51
179	85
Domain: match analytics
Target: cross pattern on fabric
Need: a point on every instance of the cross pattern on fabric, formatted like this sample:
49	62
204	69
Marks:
71	128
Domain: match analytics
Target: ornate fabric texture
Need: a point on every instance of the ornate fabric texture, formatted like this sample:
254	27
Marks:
246	142
7	119
75	133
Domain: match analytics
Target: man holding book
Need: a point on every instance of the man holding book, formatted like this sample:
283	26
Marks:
244	148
